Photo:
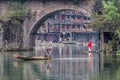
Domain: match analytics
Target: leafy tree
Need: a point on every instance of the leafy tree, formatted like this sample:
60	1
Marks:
109	19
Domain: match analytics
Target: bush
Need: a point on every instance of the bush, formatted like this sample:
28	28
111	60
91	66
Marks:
118	53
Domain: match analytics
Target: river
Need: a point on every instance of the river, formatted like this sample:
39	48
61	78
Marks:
69	62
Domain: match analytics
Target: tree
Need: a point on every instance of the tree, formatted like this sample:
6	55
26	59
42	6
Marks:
109	19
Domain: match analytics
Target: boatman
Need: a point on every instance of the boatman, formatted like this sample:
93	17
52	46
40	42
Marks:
48	55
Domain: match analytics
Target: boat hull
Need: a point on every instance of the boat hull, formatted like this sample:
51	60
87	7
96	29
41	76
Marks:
32	57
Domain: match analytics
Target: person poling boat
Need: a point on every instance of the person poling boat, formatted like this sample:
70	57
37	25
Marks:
48	54
90	48
45	57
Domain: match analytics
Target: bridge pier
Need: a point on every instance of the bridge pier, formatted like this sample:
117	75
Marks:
30	42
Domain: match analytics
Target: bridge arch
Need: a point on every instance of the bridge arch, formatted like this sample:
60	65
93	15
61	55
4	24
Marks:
44	14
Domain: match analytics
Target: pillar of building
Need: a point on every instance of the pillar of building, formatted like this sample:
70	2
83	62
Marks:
101	40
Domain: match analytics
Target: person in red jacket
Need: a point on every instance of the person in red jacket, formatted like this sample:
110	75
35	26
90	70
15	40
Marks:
90	48
90	45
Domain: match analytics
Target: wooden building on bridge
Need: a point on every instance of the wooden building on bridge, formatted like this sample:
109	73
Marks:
66	25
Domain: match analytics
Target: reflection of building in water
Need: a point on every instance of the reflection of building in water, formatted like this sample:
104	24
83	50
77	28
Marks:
64	25
64	70
56	69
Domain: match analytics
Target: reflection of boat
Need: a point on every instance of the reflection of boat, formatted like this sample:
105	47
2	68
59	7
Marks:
32	57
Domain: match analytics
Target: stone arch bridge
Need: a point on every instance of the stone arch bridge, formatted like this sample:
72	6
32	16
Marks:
40	12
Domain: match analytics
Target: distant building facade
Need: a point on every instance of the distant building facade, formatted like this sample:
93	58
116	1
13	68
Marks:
64	25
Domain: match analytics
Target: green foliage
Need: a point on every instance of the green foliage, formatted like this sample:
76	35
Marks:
117	76
110	10
98	20
117	33
16	10
109	19
118	53
110	15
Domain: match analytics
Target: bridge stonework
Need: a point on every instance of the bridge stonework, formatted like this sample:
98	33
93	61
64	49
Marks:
40	12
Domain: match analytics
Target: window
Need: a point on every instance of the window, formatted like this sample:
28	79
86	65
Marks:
73	26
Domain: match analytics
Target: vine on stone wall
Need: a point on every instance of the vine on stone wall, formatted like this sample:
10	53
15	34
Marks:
12	24
16	10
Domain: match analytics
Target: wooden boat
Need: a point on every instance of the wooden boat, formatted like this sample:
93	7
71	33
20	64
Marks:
32	57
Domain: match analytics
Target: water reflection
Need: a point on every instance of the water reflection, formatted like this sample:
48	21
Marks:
69	63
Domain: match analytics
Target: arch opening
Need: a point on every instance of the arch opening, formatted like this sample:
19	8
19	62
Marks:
69	24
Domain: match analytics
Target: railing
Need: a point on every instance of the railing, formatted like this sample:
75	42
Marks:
69	21
56	21
73	30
